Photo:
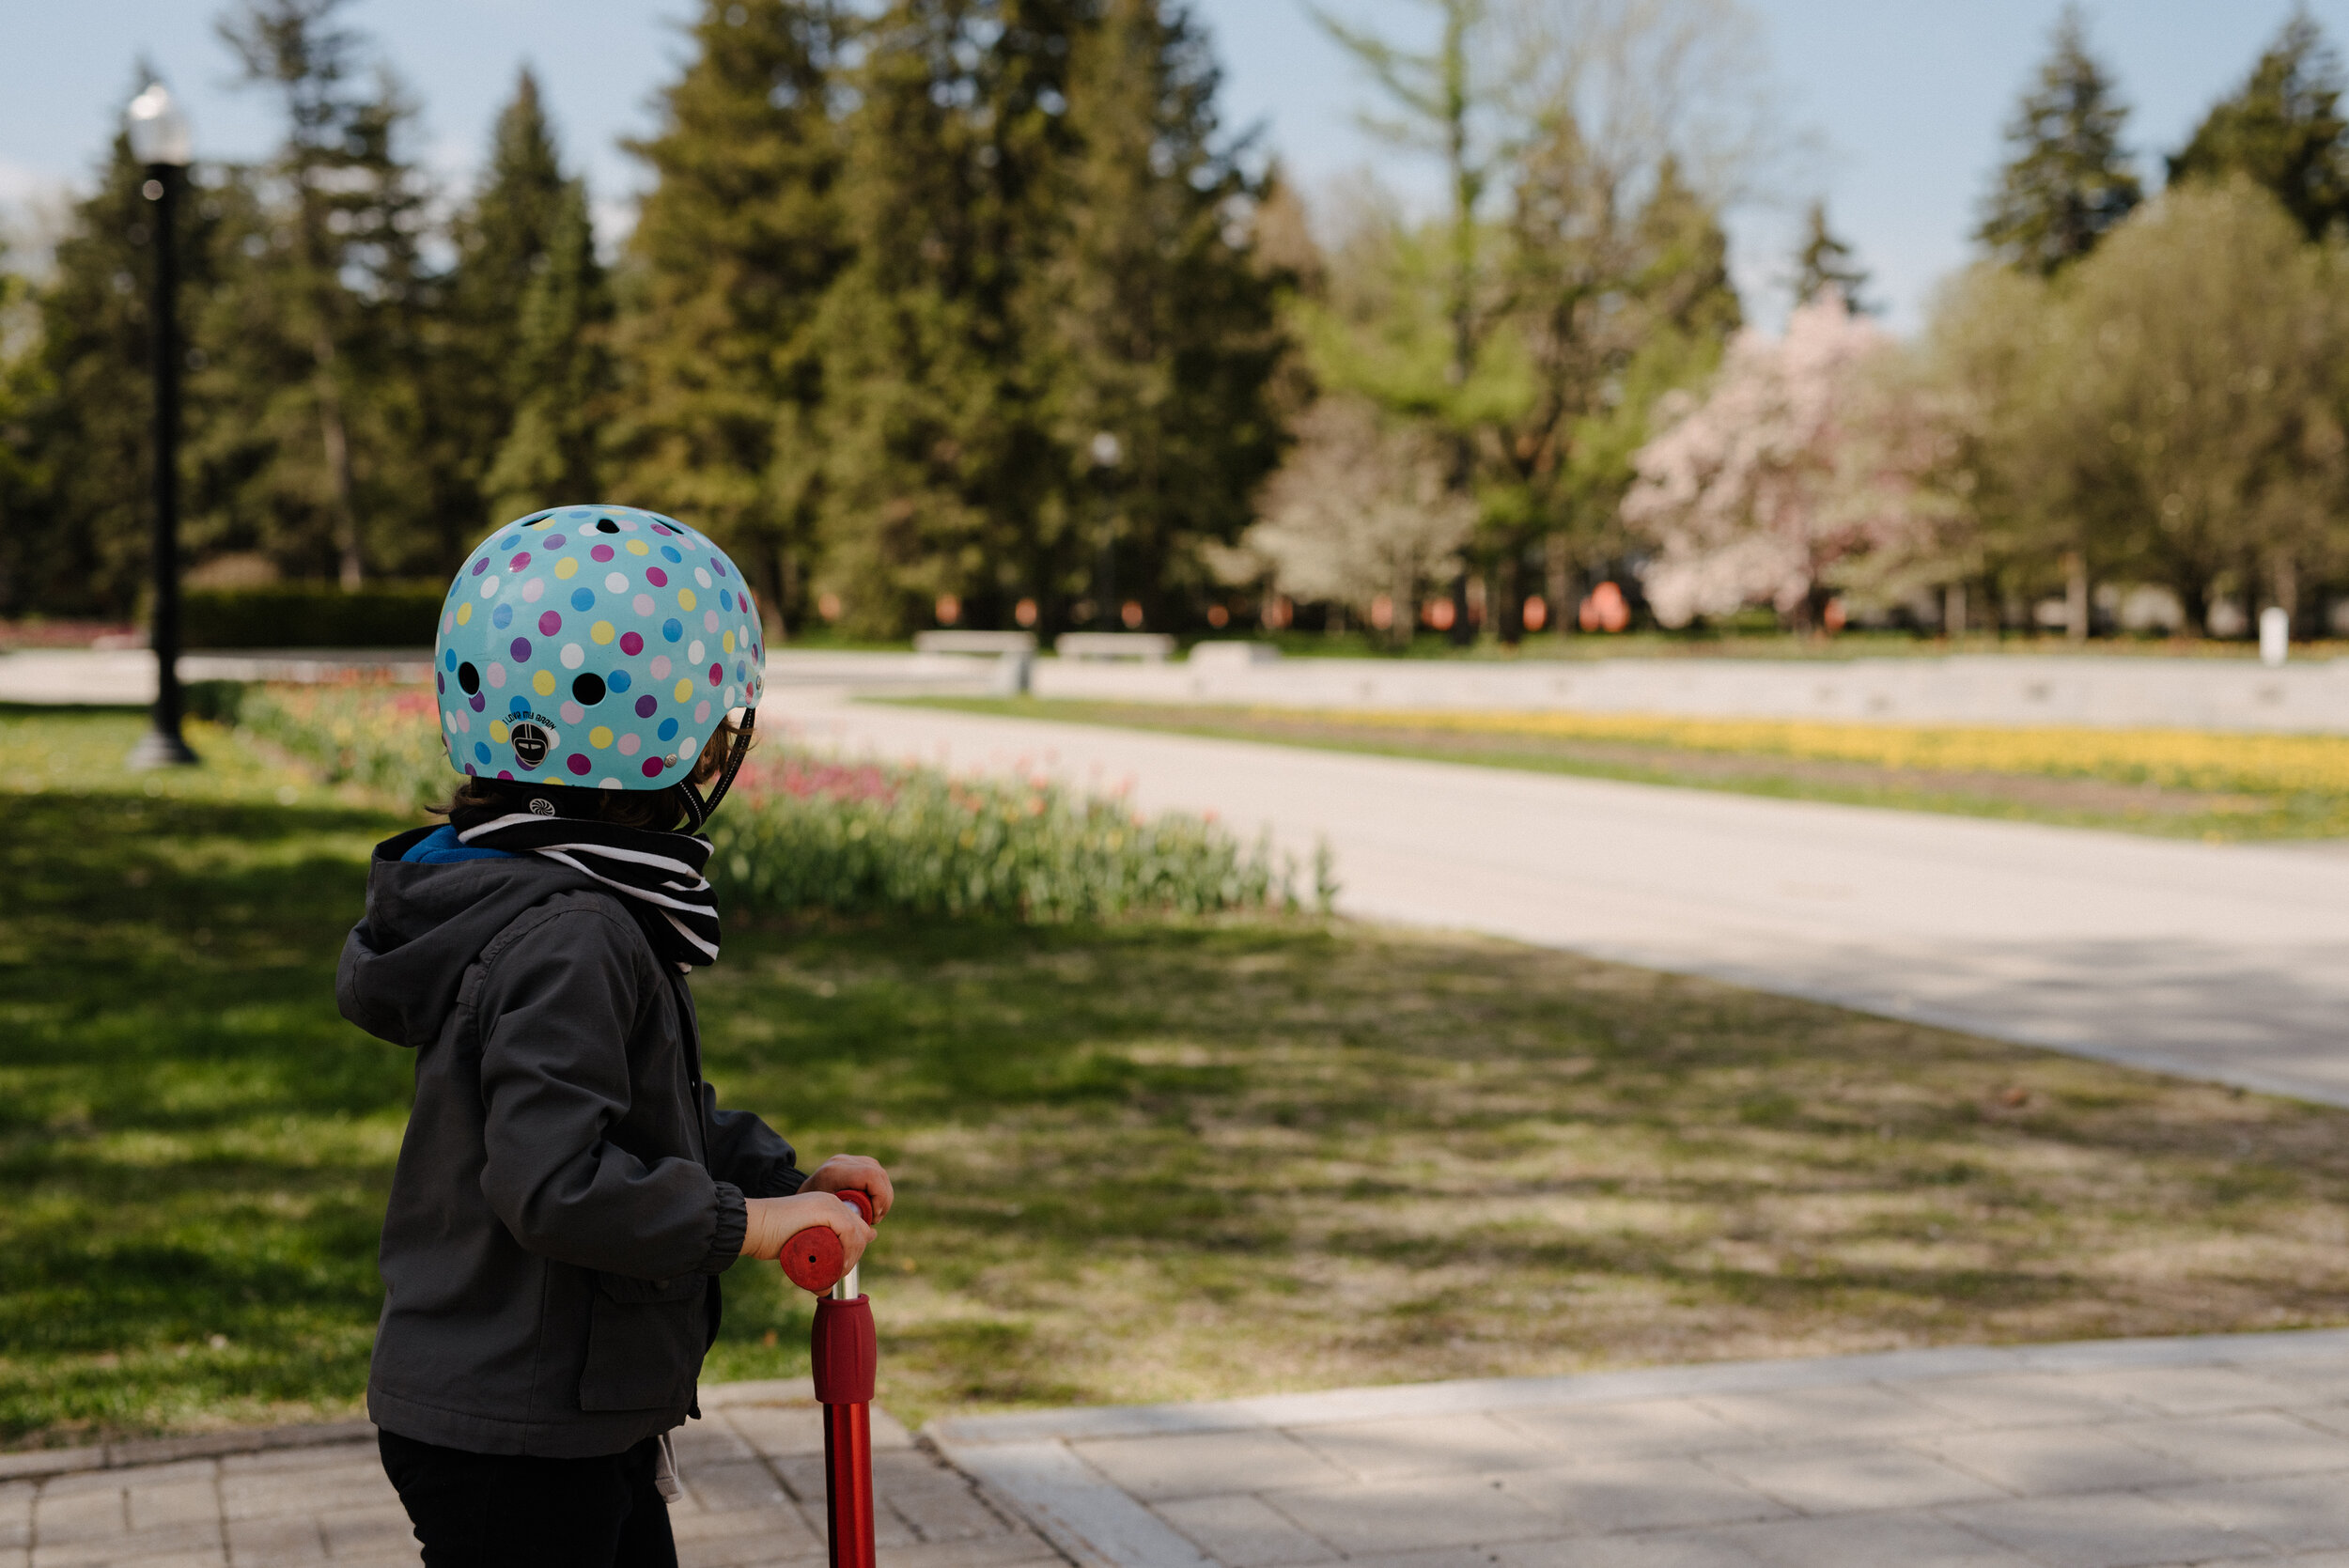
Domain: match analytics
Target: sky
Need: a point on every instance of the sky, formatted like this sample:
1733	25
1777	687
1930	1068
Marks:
1900	103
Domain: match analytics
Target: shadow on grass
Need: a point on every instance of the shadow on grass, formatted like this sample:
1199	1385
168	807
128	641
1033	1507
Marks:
194	1145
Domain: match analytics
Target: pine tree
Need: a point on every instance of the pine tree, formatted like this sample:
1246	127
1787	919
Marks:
1167	323
1824	261
2283	128
2066	182
727	269
331	327
560	380
522	378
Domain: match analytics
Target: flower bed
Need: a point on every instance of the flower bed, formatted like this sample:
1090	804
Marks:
801	833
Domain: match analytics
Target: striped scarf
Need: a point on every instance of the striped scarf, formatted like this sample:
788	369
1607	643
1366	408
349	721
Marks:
660	874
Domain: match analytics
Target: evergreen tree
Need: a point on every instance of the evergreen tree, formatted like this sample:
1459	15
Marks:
2283	128
560	373
522	379
727	269
1168	332
2066	182
1824	261
329	329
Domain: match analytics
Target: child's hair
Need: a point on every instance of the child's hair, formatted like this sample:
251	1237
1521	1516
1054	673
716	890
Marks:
478	799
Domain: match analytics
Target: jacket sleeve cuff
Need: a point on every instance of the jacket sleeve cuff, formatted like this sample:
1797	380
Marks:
781	1181
733	1223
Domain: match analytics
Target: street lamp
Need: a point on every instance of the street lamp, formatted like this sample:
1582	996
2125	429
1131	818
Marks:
161	139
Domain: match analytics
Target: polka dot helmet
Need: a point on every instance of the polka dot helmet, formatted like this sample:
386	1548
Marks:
594	646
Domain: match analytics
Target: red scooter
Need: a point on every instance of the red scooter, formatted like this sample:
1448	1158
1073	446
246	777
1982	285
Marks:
845	1354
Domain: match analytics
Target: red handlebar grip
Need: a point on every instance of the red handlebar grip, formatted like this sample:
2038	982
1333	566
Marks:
812	1259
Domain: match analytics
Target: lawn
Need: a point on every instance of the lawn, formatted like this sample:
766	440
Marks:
1146	1161
2173	783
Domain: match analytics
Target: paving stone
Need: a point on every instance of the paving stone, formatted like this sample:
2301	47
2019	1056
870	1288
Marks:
1439	1556
1661	1492
1473	1443
785	1532
178	1503
349	1531
48	1462
2299	1382
2114	1529
283	1541
2180	1391
1848	1478
779	1432
1908	1541
1405	1515
944	1509
1243	1531
82	1513
743	1551
1003	1551
1826	1414
1201	1464
16	1514
323	1457
2020	1398
1627	1430
1631	1551
723	1489
2260	1443
2047	1461
709	1442
260	1496
174	1544
2297	1513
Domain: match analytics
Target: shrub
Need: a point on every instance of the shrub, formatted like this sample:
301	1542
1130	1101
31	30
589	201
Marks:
388	615
801	834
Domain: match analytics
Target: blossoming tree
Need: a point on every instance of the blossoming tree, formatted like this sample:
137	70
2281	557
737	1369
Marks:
1810	462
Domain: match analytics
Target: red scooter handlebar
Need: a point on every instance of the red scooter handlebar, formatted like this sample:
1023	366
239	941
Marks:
812	1259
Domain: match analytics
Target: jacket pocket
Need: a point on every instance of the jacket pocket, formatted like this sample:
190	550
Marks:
644	1343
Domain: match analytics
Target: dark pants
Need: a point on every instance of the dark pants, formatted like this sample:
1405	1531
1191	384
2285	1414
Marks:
514	1511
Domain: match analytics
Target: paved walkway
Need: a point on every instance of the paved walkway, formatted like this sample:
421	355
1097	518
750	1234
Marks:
2125	1454
752	1469
2222	961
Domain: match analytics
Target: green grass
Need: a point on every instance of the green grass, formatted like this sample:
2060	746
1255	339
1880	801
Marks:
1141	1161
2108	790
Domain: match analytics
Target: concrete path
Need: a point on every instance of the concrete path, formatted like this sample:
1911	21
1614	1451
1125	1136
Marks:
2126	1454
2226	962
752	1469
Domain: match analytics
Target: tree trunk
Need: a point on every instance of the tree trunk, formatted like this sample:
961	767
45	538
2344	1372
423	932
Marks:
1564	596
336	439
2075	597
1953	611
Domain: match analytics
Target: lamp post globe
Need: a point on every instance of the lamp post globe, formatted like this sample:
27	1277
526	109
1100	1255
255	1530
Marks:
158	129
161	139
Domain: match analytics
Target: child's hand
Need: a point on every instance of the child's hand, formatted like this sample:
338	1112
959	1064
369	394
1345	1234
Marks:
776	1220
858	1173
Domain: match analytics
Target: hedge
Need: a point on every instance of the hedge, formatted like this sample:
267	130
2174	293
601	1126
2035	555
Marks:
386	616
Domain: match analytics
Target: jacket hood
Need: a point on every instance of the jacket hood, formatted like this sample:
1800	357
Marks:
403	964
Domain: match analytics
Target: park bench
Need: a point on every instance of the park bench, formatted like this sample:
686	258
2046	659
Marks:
1147	647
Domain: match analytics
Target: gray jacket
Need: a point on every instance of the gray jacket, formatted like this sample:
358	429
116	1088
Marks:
567	1190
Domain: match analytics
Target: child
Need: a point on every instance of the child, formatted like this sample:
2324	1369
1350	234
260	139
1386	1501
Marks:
567	1190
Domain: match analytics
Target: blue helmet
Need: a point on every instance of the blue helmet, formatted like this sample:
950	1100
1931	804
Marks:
595	646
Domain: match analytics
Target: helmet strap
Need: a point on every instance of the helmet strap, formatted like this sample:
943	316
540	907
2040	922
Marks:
697	809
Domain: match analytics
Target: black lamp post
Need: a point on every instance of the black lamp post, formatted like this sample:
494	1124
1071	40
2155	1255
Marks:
159	138
1107	451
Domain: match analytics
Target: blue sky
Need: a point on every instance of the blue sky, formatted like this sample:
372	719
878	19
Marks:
1904	99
